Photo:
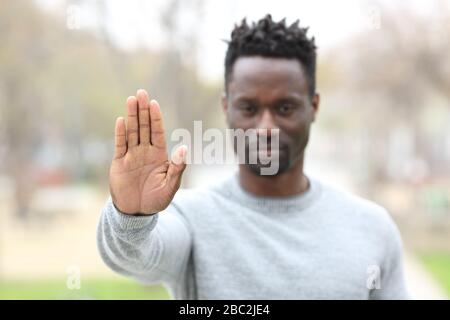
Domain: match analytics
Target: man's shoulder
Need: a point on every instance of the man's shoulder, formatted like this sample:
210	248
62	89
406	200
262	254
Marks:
360	208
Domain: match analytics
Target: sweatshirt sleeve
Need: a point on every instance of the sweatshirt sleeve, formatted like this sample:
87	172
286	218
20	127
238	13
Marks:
392	281
151	249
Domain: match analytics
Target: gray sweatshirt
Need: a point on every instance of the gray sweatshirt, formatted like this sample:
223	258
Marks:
222	242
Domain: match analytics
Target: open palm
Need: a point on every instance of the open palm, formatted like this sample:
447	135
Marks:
142	180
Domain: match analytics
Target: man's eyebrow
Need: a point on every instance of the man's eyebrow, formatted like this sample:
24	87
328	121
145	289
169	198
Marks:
290	98
245	98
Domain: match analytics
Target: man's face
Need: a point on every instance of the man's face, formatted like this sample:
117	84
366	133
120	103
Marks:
271	93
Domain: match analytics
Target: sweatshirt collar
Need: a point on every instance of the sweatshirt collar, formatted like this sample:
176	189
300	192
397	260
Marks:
273	204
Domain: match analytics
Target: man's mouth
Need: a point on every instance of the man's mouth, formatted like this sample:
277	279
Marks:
267	151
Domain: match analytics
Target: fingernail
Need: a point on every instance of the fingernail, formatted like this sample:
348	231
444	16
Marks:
180	156
183	152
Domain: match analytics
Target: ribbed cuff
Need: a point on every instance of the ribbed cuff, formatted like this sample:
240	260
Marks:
130	222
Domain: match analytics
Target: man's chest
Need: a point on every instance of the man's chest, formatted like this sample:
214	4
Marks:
290	265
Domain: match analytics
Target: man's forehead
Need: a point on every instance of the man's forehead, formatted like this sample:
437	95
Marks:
256	73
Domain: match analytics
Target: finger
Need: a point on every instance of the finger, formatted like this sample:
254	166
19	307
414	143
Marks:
132	122
156	125
144	117
176	167
120	139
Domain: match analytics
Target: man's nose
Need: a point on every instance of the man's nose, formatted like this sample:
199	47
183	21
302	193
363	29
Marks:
266	124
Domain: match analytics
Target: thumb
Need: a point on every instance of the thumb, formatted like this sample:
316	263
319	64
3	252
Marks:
177	166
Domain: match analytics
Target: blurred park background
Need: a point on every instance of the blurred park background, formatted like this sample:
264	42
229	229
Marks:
67	66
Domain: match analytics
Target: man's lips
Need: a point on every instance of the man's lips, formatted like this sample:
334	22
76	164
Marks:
267	151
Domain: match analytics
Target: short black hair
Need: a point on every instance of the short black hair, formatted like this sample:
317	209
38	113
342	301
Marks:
268	38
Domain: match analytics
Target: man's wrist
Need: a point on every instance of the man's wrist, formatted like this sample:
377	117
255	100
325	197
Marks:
137	214
124	221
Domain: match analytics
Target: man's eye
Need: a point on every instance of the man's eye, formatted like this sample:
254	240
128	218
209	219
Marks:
285	108
248	109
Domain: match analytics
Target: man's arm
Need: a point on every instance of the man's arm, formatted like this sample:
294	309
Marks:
137	236
150	249
393	286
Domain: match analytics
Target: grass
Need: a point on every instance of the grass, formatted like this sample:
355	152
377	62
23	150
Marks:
438	264
101	289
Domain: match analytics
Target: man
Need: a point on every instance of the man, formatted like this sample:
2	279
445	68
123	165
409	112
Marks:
282	236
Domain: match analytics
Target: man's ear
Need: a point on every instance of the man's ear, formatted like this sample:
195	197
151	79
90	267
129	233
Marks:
315	105
224	102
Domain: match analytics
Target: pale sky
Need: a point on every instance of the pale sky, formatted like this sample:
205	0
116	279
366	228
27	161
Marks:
134	23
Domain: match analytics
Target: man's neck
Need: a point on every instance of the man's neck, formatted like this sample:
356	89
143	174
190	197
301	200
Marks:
289	183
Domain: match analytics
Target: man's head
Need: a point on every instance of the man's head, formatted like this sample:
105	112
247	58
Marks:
270	84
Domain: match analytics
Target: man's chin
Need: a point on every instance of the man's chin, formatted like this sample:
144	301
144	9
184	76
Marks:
268	170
